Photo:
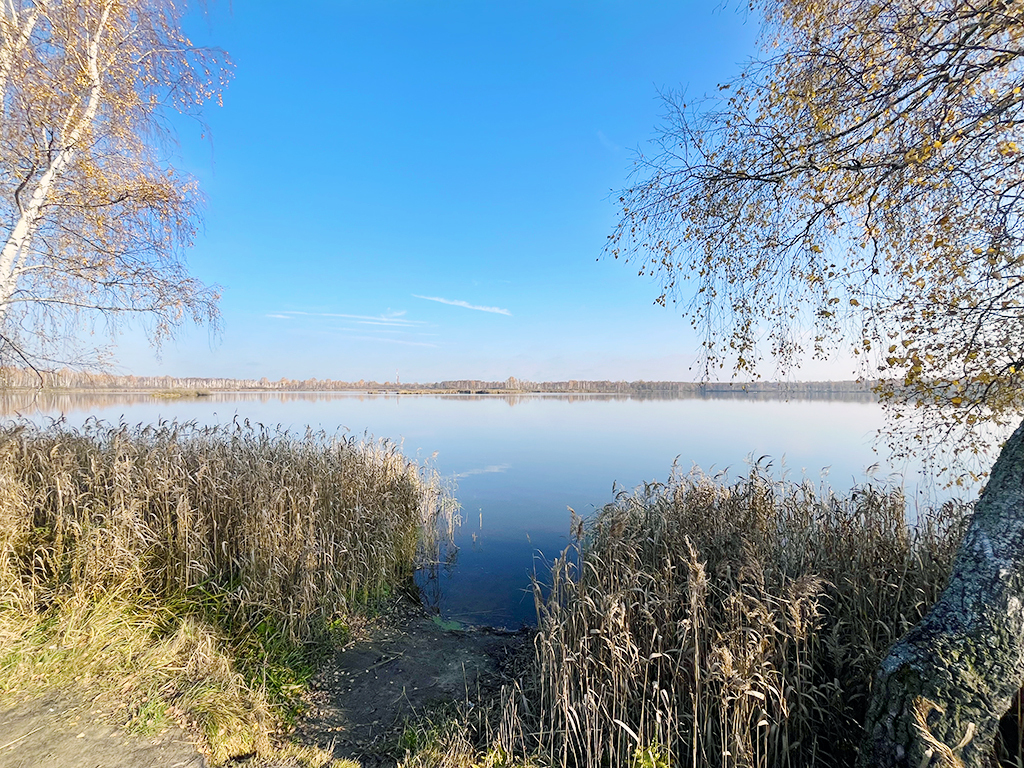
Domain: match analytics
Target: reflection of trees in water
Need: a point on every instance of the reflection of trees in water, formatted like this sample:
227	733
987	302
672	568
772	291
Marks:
33	402
29	402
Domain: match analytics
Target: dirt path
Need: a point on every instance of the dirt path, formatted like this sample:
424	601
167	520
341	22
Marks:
399	666
53	732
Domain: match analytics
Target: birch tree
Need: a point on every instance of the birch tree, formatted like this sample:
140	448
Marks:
94	220
860	186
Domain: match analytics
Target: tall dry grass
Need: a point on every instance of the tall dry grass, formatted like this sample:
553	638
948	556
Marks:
703	624
195	564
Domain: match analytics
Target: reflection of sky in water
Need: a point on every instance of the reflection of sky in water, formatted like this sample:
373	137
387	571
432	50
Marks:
519	467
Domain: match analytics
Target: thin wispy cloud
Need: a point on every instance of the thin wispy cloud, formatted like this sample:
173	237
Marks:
464	304
388	318
389	341
389	329
608	143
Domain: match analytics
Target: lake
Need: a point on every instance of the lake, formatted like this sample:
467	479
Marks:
520	462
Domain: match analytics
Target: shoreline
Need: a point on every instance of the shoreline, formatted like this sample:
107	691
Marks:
784	393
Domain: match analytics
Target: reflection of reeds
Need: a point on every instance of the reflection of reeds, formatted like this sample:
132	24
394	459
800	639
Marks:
197	538
704	624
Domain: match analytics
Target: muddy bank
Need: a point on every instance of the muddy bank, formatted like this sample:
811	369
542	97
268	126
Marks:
400	667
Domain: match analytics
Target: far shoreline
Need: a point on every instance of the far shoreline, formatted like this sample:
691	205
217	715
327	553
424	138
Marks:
66	382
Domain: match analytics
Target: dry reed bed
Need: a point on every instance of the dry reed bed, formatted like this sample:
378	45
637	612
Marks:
161	555
704	624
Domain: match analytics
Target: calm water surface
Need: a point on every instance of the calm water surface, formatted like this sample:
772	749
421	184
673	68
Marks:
521	462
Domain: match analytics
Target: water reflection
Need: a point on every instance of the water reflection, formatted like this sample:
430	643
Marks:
521	461
28	402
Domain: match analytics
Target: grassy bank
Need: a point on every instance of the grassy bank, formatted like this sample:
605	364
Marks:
716	624
192	573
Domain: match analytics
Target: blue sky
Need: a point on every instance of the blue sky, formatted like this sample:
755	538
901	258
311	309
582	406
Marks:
427	186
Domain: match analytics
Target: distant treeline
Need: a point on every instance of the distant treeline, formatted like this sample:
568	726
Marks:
66	379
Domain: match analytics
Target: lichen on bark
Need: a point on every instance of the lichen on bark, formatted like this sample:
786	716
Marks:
940	692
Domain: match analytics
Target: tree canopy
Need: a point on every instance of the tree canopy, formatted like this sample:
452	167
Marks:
94	219
860	184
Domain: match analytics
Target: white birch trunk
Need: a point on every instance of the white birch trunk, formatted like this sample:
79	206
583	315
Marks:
16	40
21	235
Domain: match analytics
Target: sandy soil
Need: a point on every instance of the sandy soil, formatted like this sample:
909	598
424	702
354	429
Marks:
400	666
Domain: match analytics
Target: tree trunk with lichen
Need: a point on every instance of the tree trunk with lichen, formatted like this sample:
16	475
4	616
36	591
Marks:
939	694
